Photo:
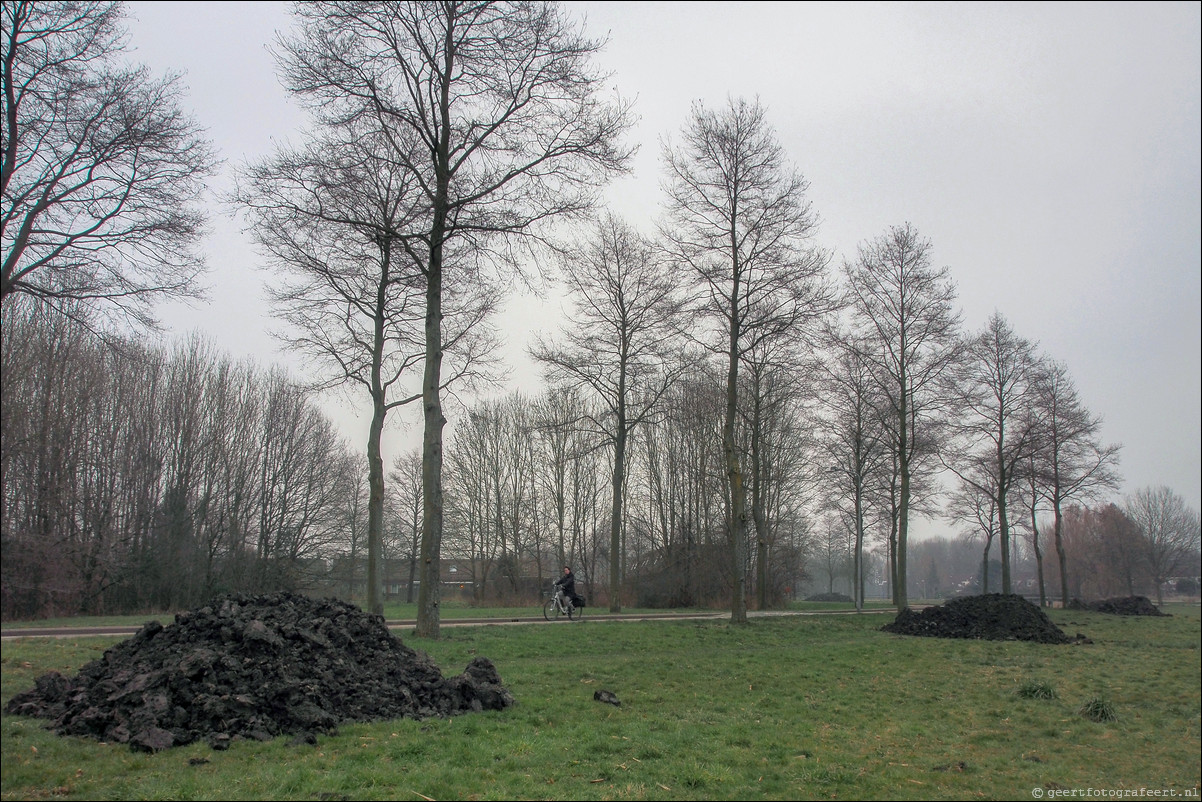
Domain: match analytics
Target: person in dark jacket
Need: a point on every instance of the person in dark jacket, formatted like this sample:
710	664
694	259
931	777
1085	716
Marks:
568	583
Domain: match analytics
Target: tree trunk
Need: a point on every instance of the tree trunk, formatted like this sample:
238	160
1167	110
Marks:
734	475
375	507
1043	596
1003	528
616	546
429	589
615	522
858	565
985	566
1058	535
1004	546
375	460
900	595
414	546
734	471
903	530
429	568
759	515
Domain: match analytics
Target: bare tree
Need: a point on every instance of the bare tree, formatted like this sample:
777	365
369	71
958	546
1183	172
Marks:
739	221
853	441
687	489
512	134
778	443
974	505
903	309
1030	496
1170	531
622	345
1119	547
102	171
356	532
474	500
1072	462
996	429
831	550
334	217
559	444
516	487
406	476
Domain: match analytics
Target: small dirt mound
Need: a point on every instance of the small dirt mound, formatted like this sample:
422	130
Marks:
255	667
1127	605
993	616
830	597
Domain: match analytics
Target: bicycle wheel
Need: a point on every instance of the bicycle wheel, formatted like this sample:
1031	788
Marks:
549	611
575	613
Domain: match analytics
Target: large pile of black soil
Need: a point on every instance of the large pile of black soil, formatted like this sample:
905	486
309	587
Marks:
255	667
1127	605
993	616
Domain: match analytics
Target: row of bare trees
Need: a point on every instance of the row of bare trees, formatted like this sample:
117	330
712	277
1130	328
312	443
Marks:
140	478
530	490
1148	545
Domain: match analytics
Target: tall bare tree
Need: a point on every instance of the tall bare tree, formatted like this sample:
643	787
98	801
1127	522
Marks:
853	441
102	172
1170	531
739	221
903	308
1072	462
997	429
334	217
512	134
623	345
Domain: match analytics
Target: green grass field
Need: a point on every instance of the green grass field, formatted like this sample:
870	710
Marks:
789	707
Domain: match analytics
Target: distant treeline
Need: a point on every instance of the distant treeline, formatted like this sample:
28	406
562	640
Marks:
142	478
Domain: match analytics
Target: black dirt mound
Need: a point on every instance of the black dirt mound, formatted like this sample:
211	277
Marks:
1128	605
993	616
255	667
830	597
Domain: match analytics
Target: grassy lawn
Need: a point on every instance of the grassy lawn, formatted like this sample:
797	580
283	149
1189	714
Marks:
791	707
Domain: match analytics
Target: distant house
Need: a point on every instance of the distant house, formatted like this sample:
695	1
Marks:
348	578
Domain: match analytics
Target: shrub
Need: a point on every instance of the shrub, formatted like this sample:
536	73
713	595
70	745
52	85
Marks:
1036	689
1098	709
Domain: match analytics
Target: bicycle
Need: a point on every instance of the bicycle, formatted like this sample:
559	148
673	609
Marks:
560	605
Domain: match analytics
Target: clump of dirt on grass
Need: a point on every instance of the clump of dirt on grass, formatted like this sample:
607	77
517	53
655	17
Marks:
830	597
1125	605
992	616
257	667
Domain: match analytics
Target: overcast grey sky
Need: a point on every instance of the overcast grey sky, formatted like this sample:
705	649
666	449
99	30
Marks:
1049	151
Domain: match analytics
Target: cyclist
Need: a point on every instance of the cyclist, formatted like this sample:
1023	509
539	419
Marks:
568	583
